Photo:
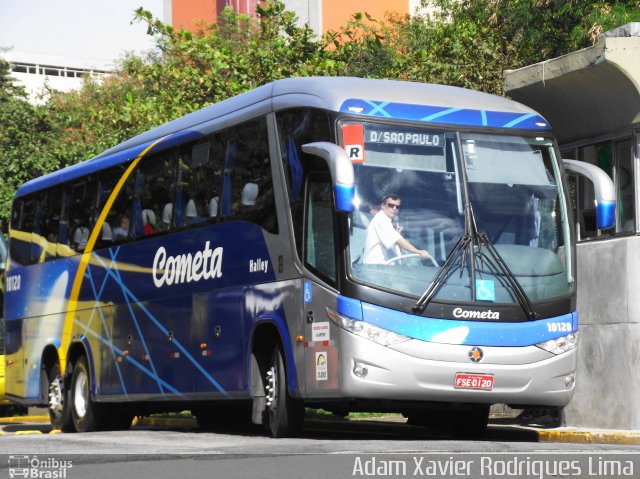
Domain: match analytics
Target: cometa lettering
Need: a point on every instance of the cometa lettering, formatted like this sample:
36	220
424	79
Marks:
186	268
461	313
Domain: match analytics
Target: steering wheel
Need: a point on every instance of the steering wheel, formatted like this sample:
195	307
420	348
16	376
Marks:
410	255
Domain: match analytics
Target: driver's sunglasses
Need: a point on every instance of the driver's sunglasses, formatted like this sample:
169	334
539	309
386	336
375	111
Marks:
394	206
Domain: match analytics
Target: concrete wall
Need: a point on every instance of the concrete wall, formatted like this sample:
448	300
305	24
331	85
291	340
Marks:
608	380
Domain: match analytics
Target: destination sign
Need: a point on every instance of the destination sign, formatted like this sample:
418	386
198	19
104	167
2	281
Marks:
403	137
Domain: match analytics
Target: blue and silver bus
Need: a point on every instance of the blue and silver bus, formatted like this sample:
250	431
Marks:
217	263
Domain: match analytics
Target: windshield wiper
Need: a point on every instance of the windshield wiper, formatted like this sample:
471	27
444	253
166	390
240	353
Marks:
460	249
444	272
471	237
520	293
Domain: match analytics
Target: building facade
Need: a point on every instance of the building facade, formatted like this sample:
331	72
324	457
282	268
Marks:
321	15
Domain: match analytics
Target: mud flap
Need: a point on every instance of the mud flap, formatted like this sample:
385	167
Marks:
257	392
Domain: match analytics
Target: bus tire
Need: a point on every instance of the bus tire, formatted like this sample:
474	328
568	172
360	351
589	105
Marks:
285	413
470	423
58	400
84	413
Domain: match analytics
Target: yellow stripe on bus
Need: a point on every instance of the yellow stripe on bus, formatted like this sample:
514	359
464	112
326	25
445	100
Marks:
65	340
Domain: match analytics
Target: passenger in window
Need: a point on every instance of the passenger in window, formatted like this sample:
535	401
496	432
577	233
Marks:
107	234
121	232
384	240
149	222
167	213
198	211
80	238
249	194
213	207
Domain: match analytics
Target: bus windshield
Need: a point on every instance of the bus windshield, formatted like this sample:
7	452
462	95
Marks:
427	178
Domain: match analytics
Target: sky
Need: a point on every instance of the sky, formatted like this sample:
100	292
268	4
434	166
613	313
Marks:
96	32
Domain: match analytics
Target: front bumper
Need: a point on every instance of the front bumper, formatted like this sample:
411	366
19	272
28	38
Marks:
423	371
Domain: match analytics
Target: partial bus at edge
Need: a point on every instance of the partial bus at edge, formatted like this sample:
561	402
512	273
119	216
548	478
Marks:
215	263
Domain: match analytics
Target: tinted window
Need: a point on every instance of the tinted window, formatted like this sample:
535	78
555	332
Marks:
153	205
248	187
297	127
320	244
199	181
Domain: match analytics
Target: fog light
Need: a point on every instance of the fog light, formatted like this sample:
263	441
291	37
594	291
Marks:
360	370
570	381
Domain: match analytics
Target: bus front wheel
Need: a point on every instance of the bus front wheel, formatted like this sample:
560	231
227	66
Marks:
285	413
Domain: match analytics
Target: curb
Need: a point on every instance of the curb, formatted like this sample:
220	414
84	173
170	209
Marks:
186	422
14	419
589	437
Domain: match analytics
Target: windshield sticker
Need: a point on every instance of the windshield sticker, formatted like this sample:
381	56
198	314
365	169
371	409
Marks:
353	141
485	290
321	366
320	331
308	295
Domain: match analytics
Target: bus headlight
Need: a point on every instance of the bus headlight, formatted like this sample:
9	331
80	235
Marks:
366	330
560	345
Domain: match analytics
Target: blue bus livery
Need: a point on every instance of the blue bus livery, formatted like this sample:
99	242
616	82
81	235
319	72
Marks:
217	263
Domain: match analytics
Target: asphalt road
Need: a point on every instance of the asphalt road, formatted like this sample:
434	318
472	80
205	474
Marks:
327	449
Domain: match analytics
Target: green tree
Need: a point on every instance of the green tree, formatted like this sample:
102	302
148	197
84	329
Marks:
186	72
470	43
23	134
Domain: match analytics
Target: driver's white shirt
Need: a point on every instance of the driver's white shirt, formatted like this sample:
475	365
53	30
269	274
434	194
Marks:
381	243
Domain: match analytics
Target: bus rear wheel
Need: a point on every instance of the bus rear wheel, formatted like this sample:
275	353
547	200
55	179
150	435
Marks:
84	412
57	400
285	413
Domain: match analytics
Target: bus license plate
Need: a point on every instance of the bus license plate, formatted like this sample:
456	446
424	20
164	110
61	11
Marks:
474	381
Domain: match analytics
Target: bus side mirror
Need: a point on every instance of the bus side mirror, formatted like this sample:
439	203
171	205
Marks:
604	191
342	175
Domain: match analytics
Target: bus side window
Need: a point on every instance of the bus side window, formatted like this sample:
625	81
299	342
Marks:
320	253
47	223
119	215
199	178
153	205
296	127
20	241
81	209
248	186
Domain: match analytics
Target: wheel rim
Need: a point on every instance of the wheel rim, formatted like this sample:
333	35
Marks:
272	388
80	394
56	404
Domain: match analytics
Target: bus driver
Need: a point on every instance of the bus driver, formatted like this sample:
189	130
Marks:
383	240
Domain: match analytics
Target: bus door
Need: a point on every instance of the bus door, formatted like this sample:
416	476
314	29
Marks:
321	351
